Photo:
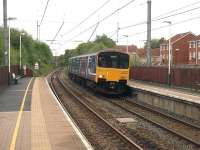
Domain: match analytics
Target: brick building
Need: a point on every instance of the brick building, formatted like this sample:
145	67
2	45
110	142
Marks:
155	55
194	50
131	48
180	49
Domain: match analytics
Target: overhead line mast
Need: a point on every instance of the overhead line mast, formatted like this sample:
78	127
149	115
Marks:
5	33
148	32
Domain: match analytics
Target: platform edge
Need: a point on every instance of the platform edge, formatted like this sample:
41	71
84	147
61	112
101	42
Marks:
71	121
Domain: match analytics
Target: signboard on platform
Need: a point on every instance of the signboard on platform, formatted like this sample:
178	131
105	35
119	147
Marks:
36	66
24	68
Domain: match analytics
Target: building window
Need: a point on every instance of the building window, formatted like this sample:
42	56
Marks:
192	44
164	47
198	43
199	55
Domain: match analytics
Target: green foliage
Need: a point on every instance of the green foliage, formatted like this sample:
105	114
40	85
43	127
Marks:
104	40
61	61
100	43
155	43
32	51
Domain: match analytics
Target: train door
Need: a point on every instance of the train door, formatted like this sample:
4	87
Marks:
92	67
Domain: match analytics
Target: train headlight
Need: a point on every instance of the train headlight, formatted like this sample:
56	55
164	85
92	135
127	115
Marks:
101	76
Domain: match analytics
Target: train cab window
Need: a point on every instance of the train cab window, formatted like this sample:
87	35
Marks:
113	60
92	65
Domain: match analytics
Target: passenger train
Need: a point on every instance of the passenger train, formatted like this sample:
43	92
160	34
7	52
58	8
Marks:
105	71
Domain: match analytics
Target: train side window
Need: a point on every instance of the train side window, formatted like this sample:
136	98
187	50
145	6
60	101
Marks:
92	65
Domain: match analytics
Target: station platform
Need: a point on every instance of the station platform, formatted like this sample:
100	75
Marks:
166	91
31	118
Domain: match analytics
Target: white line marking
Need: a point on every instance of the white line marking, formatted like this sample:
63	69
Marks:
19	116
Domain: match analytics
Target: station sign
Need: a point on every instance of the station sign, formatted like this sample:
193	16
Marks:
36	66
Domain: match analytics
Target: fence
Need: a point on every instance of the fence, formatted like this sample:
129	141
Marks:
4	73
185	76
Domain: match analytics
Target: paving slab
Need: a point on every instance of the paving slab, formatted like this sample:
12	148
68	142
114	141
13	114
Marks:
49	127
39	124
10	101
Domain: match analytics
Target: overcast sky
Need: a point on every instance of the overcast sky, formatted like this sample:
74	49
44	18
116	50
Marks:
72	12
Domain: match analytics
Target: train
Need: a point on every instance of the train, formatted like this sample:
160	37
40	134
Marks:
106	71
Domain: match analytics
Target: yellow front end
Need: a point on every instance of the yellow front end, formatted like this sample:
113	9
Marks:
112	74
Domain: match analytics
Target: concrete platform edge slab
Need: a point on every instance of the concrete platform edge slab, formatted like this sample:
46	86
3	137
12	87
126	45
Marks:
72	123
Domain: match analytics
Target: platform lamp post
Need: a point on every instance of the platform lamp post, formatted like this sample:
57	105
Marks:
20	50
9	19
126	42
169	53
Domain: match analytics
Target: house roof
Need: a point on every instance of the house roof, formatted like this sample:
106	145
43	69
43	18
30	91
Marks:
198	37
156	52
142	52
177	37
131	48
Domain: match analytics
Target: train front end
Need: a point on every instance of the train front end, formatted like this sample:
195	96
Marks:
112	72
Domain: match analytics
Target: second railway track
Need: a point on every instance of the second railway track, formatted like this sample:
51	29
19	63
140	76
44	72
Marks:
179	128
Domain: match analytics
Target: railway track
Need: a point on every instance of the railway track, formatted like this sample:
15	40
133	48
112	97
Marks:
184	130
178	127
103	127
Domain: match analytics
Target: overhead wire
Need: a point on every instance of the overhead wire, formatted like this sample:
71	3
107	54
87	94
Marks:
57	32
185	6
153	20
93	32
179	13
103	19
140	23
157	28
44	12
90	15
157	18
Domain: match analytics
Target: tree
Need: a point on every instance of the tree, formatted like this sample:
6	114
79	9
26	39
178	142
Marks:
109	43
32	51
155	43
100	43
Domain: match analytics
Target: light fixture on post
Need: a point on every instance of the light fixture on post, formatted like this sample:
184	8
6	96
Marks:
20	50
169	53
126	42
9	19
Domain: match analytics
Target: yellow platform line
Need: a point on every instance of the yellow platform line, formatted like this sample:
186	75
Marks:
17	125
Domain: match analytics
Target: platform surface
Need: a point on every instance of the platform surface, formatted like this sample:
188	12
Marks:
10	101
170	92
30	118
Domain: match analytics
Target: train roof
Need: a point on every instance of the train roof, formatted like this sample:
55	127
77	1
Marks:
92	54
